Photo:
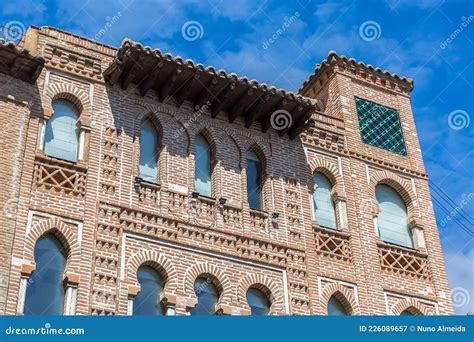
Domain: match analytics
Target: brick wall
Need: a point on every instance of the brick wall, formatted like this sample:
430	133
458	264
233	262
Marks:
113	223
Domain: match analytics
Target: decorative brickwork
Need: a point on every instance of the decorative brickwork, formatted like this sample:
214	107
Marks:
332	243
403	261
111	222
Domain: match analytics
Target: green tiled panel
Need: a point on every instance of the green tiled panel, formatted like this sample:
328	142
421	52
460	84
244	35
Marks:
380	126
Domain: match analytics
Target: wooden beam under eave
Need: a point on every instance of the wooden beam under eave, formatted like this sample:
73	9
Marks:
222	99
254	113
129	76
189	85
209	92
293	114
116	73
298	127
242	104
169	83
149	81
266	124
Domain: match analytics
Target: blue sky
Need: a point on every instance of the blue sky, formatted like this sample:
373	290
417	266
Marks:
431	41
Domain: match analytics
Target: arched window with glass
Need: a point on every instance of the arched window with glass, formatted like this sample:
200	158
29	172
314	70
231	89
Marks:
336	308
147	302
203	166
258	302
254	181
207	295
61	135
392	220
45	289
323	206
148	169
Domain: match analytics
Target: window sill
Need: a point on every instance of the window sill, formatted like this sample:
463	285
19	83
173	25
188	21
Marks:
335	231
41	156
204	198
141	181
258	212
384	244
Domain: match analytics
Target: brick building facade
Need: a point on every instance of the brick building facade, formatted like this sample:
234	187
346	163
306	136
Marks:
111	221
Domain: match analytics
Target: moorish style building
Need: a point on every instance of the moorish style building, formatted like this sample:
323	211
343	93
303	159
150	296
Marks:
135	182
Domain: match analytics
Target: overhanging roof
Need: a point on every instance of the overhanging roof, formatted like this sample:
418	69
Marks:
19	63
226	92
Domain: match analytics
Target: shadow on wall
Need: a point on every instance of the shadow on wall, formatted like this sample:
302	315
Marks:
282	158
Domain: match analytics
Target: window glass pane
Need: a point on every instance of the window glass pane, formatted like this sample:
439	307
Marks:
406	313
149	152
207	296
254	187
335	307
147	302
380	126
202	167
45	290
258	302
392	219
62	133
323	205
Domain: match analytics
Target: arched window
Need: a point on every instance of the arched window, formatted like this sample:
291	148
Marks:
392	221
61	133
323	205
258	302
406	313
207	295
254	180
148	152
203	166
147	302
335	307
45	289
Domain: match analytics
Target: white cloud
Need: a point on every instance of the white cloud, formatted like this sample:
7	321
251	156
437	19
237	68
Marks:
460	269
